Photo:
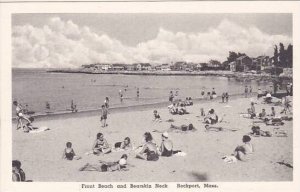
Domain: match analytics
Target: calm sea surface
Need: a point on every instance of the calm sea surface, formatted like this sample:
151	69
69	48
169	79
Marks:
35	87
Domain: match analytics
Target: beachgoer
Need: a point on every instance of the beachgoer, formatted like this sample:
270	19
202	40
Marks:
263	114
173	109
251	110
286	105
246	91
18	175
156	116
202	93
149	151
121	95
183	127
107	166
69	153
268	98
106	102
243	152
171	96
259	93
182	109
223	97
100	145
166	146
104	113
137	92
209	96
124	145
20	112
202	112
273	113
191	101
211	117
226	97
47	105
213	93
73	107
250	89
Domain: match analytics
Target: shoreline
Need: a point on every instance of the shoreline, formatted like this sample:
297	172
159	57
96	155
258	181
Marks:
228	74
121	109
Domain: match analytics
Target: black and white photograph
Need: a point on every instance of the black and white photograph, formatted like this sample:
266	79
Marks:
187	97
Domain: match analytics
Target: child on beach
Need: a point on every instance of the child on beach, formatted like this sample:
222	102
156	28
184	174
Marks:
243	152
251	111
149	150
173	109
124	145
202	112
273	113
107	166
69	153
156	116
18	175
100	145
121	95
104	113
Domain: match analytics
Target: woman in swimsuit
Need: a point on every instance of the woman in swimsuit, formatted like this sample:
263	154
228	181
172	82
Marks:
101	145
149	151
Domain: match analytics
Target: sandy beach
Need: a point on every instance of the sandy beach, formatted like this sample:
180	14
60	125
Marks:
41	153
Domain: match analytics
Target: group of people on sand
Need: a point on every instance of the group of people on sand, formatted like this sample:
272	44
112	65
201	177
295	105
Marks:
179	107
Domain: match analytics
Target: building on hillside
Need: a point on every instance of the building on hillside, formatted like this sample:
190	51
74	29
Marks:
232	66
262	62
178	66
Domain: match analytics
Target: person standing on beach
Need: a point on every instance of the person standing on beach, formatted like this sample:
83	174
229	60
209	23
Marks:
104	113
138	93
246	91
20	114
250	89
106	102
121	95
226	97
171	96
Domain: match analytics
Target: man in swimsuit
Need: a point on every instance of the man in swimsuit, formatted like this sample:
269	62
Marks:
20	114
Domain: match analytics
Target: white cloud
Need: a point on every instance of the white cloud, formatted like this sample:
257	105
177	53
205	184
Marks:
65	44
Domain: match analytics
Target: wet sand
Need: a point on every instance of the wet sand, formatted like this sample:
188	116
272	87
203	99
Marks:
40	153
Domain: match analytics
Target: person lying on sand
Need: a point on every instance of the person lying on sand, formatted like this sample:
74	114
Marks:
29	128
124	145
69	153
211	117
107	166
244	152
182	109
149	150
219	128
183	127
101	145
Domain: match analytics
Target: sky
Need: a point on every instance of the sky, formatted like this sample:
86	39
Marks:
71	40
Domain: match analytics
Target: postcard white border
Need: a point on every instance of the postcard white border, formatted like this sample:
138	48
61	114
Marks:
133	7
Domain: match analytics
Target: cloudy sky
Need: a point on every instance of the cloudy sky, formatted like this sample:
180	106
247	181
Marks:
70	40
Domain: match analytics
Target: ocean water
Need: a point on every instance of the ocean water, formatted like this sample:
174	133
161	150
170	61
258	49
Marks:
36	87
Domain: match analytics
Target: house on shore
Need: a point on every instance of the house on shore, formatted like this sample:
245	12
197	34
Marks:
118	67
241	64
143	66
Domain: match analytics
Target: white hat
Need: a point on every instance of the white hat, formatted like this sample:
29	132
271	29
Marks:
122	161
268	95
165	134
